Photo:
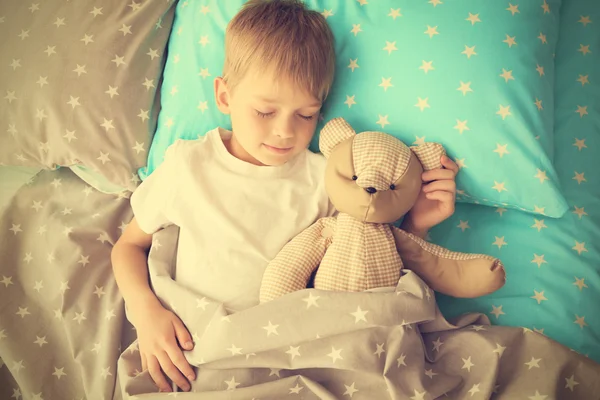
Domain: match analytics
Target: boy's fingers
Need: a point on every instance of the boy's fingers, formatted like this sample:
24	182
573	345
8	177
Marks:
144	362
449	164
182	334
185	340
442	197
157	375
179	360
440	186
172	372
438	174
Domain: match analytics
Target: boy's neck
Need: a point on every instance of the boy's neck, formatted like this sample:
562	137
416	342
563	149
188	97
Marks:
235	149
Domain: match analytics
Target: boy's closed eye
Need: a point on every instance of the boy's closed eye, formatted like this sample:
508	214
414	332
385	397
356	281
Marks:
270	114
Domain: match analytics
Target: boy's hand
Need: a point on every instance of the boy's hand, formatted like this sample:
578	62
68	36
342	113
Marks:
161	338
437	199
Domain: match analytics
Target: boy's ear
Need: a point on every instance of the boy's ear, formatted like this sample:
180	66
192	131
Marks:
333	133
221	95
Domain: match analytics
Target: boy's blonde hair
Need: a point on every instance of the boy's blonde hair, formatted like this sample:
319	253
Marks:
285	37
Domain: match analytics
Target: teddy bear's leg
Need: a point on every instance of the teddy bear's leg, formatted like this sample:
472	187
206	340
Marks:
295	264
451	273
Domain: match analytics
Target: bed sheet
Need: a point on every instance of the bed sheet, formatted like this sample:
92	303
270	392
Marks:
553	265
62	323
386	343
11	179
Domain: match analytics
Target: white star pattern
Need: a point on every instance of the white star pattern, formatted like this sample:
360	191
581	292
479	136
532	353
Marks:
79	317
125	29
296	389
294	352
499	350
359	315
461	126
419	395
311	300
73	102
99	291
50	50
6	280
10	96
430	373
534	363
497	311
80	70
203	106
335	354
104	158
118	60
232	384
379	350
467	364
96	11
437	344
571	383
70	135
40	341
112	91
475	389
59	373
59	22
39	285
350	390
401	360
234	350
105	372
386	83
23	311
87	39
148	83
271	329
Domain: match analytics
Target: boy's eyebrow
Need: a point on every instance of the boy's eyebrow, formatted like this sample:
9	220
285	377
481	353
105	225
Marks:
273	101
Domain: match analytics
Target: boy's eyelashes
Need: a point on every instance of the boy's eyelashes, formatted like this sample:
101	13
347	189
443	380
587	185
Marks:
269	114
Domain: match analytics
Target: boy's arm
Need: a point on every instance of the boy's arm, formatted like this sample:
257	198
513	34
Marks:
130	265
408	226
161	334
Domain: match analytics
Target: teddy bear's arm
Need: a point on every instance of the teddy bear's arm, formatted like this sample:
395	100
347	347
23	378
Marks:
451	273
291	269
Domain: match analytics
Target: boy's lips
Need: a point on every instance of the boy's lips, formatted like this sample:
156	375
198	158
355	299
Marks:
278	150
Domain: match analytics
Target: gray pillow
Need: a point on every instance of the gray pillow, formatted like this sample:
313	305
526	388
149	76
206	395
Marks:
79	83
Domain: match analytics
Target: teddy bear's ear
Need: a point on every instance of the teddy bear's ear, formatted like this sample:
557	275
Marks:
429	154
333	133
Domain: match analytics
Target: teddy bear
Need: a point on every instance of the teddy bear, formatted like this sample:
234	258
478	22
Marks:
373	179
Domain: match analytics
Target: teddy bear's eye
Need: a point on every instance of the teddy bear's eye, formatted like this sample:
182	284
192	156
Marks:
392	186
354	177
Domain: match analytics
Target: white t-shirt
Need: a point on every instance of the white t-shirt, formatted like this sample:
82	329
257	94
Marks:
234	217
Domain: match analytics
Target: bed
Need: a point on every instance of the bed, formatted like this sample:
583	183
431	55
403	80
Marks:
88	111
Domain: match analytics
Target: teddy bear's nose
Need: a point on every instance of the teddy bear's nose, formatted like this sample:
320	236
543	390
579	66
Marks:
371	190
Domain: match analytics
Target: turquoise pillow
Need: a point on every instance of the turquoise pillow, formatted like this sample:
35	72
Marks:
553	268
474	76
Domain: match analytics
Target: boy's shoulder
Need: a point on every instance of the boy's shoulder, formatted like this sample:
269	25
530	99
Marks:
181	148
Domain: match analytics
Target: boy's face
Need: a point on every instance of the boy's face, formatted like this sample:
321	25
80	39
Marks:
272	119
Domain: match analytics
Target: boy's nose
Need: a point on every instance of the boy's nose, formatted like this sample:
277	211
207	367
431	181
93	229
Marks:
284	130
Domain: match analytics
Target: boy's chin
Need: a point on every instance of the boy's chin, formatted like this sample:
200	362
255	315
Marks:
273	161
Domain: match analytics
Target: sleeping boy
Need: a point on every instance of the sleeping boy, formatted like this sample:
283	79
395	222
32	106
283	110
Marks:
238	196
